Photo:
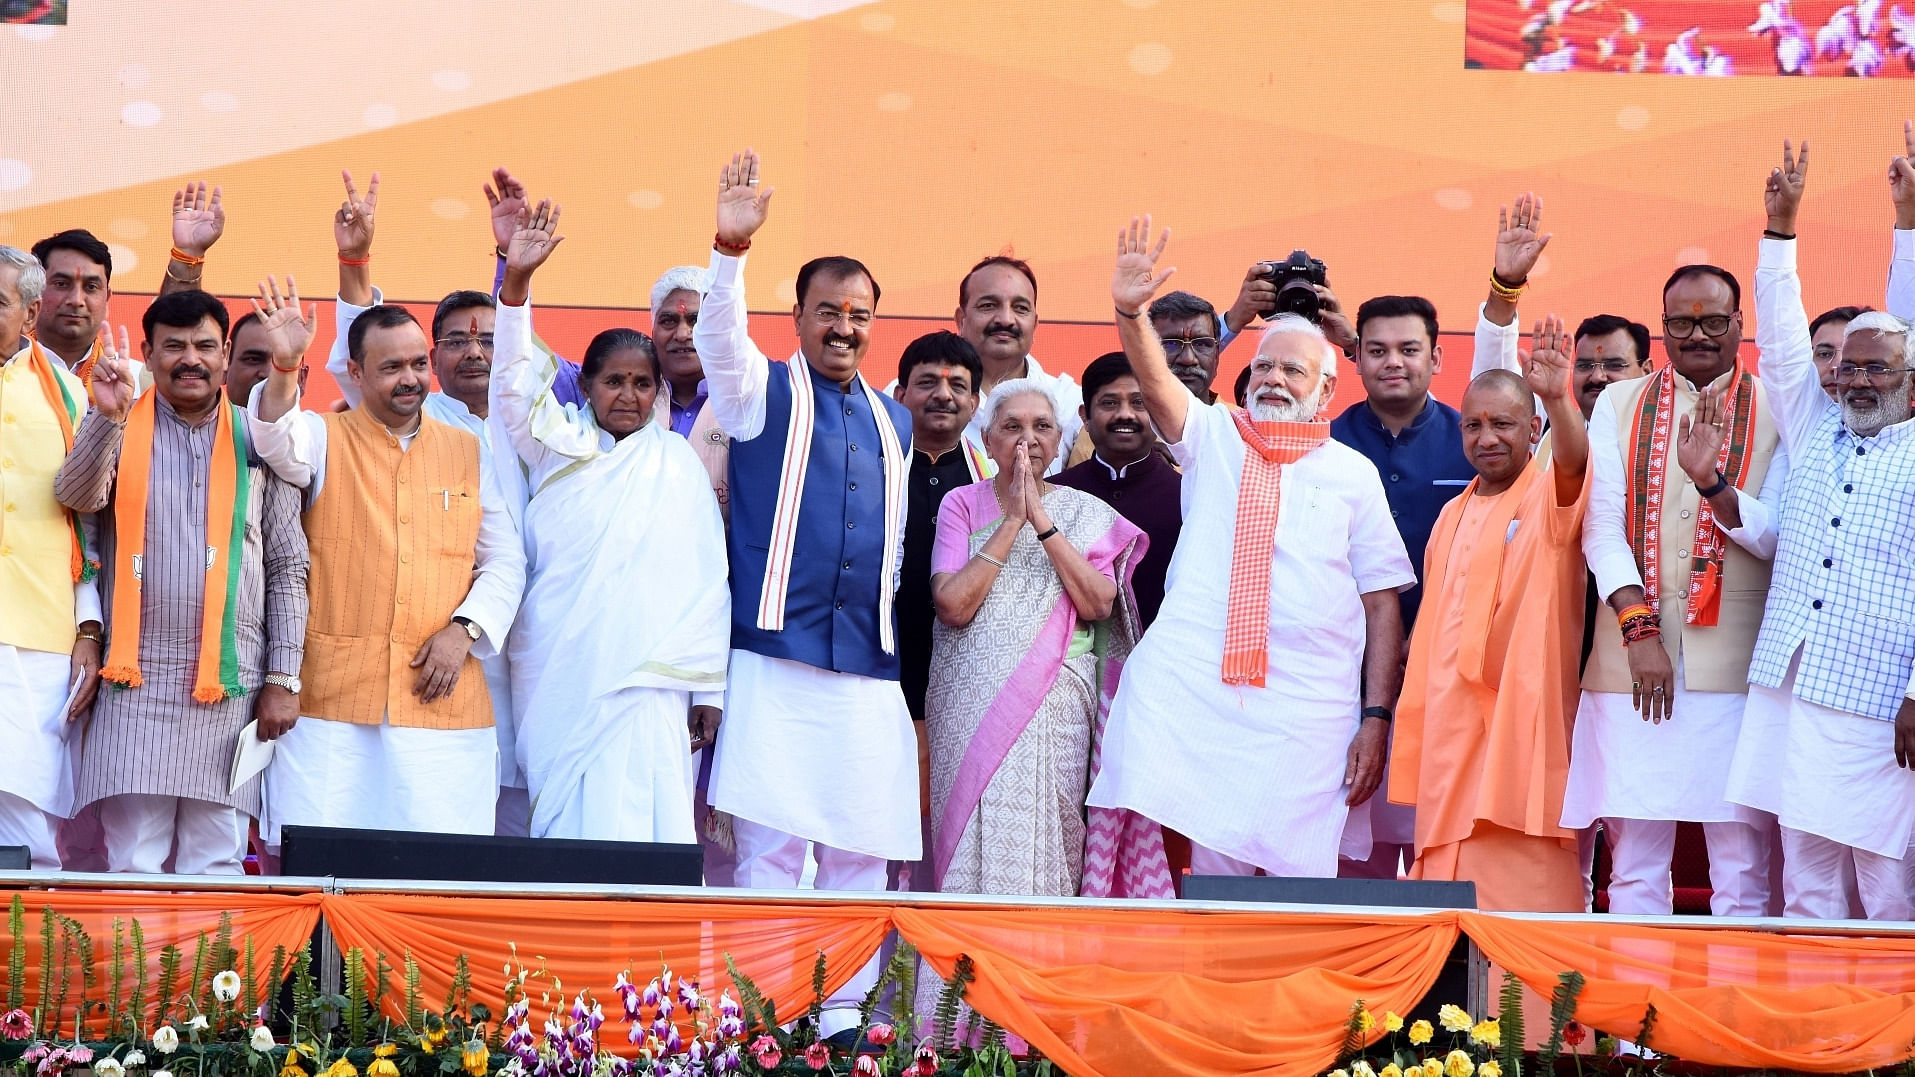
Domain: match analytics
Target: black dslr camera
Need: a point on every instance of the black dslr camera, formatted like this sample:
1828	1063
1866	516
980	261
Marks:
1294	277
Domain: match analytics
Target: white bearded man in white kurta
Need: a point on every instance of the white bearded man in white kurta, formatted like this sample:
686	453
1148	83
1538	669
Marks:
1259	773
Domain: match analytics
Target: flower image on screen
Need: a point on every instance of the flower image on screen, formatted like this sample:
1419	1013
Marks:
1719	38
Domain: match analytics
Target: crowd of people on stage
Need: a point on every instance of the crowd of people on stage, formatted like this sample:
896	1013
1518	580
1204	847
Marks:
988	629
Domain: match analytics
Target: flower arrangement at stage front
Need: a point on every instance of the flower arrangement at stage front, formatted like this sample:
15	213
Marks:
1492	1047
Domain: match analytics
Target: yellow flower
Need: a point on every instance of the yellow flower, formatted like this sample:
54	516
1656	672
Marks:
1488	1033
1458	1064
1339	1073
1392	1023
1421	1032
1390	1070
382	1067
1454	1019
1365	1022
476	1058
342	1068
385	1050
1432	1067
290	1070
1489	1069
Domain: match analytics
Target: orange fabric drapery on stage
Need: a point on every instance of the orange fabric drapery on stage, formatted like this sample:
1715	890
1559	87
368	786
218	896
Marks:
1818	1004
177	919
1104	991
586	942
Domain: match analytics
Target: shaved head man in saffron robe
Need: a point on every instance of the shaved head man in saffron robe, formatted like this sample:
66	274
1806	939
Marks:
1481	741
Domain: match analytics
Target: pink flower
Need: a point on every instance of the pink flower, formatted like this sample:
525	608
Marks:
1574	1034
764	1051
925	1064
866	1066
880	1035
16	1025
79	1056
817	1056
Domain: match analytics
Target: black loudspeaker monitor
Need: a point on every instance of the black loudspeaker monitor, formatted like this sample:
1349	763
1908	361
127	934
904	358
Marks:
398	854
1387	893
15	858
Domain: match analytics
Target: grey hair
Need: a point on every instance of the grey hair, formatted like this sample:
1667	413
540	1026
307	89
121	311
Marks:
33	276
987	414
678	278
1883	324
1297	325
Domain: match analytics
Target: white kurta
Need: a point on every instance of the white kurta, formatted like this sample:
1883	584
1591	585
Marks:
1823	771
1255	773
33	727
626	621
784	760
1622	767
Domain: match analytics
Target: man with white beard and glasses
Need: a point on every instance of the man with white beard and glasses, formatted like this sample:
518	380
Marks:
1268	665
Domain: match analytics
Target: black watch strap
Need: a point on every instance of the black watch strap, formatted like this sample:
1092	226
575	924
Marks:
1717	487
1379	712
1046	534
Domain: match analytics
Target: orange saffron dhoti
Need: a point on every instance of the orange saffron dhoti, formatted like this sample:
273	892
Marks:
1481	739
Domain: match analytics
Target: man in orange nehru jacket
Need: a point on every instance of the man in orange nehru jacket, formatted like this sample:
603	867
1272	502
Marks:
1481	740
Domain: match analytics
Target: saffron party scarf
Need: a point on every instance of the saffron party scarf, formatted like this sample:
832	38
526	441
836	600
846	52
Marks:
1651	447
68	411
228	491
791	489
1246	636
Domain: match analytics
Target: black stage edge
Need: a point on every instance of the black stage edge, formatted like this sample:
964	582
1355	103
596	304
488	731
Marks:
472	858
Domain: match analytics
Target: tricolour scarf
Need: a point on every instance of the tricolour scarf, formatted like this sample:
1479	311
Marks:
791	492
228	490
976	462
68	411
1650	448
1269	446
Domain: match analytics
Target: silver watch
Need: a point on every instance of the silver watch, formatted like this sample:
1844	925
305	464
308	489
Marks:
285	680
470	628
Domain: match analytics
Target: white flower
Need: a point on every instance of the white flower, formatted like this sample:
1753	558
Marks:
161	1073
135	1057
262	1038
197	1024
165	1041
226	986
108	1067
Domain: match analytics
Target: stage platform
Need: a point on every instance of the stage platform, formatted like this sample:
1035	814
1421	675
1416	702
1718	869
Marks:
1100	987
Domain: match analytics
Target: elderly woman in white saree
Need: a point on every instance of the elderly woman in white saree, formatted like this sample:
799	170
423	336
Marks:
1035	612
623	634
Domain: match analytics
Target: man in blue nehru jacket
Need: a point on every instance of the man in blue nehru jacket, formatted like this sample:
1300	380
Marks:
817	744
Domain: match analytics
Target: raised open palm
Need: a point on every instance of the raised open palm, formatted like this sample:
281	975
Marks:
1519	238
535	238
1136	279
506	196
198	219
1546	368
742	205
287	334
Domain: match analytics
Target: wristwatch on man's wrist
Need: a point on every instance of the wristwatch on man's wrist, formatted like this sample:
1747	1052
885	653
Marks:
1379	712
471	630
284	680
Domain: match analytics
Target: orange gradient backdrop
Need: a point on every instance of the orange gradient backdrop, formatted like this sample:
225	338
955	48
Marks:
920	135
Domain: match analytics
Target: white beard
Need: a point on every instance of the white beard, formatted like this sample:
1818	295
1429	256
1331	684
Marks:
1296	411
1888	411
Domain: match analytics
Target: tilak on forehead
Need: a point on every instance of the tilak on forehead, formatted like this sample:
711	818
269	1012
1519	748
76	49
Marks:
1598	349
1695	308
683	309
474	327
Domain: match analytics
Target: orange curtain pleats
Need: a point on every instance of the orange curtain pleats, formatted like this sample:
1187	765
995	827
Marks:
1105	991
269	920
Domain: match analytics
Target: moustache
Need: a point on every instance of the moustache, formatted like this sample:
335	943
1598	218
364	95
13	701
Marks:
940	409
191	372
473	366
1125	428
1701	346
408	390
834	338
1011	330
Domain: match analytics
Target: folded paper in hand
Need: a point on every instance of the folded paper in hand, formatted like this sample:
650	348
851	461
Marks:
250	757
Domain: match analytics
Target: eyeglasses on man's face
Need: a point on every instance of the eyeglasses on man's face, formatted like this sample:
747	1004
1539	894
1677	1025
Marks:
1713	325
463	342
